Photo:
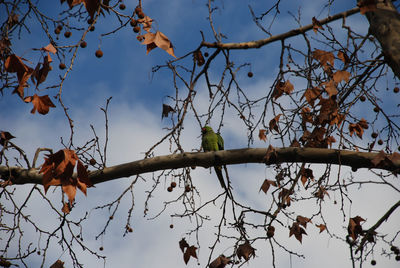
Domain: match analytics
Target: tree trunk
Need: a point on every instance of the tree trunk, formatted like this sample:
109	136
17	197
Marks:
385	27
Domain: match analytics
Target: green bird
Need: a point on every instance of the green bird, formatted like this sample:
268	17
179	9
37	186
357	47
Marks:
212	141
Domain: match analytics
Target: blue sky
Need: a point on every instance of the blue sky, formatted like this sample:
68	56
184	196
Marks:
124	72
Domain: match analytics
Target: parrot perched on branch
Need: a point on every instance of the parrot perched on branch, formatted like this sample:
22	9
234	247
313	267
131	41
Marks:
212	141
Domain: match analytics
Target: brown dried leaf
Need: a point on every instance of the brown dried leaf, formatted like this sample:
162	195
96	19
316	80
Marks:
198	58
321	193
311	94
57	264
266	184
329	140
271	154
354	228
358	128
307	115
343	57
326	59
306	174
5	136
246	251
14	64
166	110
158	40
321	227
303	220
41	104
284	196
341	76
262	134
316	25
273	124
183	244
40	74
282	87
330	88
190	252
220	262
50	48
66	209
58	169
297	231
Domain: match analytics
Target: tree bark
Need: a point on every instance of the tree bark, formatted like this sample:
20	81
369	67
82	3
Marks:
385	27
228	157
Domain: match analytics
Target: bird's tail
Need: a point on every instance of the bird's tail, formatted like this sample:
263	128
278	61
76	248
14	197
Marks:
218	171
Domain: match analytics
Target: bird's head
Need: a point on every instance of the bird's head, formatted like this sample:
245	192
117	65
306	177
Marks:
206	129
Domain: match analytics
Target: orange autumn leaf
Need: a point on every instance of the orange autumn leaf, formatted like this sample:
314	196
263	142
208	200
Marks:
330	88
158	39
66	209
358	128
316	25
311	94
326	59
341	76
262	135
321	227
307	115
49	48
58	169
14	64
343	57
41	104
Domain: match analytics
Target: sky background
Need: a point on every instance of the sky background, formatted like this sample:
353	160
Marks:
124	72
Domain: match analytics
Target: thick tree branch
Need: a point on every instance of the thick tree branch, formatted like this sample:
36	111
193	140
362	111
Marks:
263	42
228	157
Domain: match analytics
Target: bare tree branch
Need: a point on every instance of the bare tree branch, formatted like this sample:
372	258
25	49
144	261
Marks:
208	159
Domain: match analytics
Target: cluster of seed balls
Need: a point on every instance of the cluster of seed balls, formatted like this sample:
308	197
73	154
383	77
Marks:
99	53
